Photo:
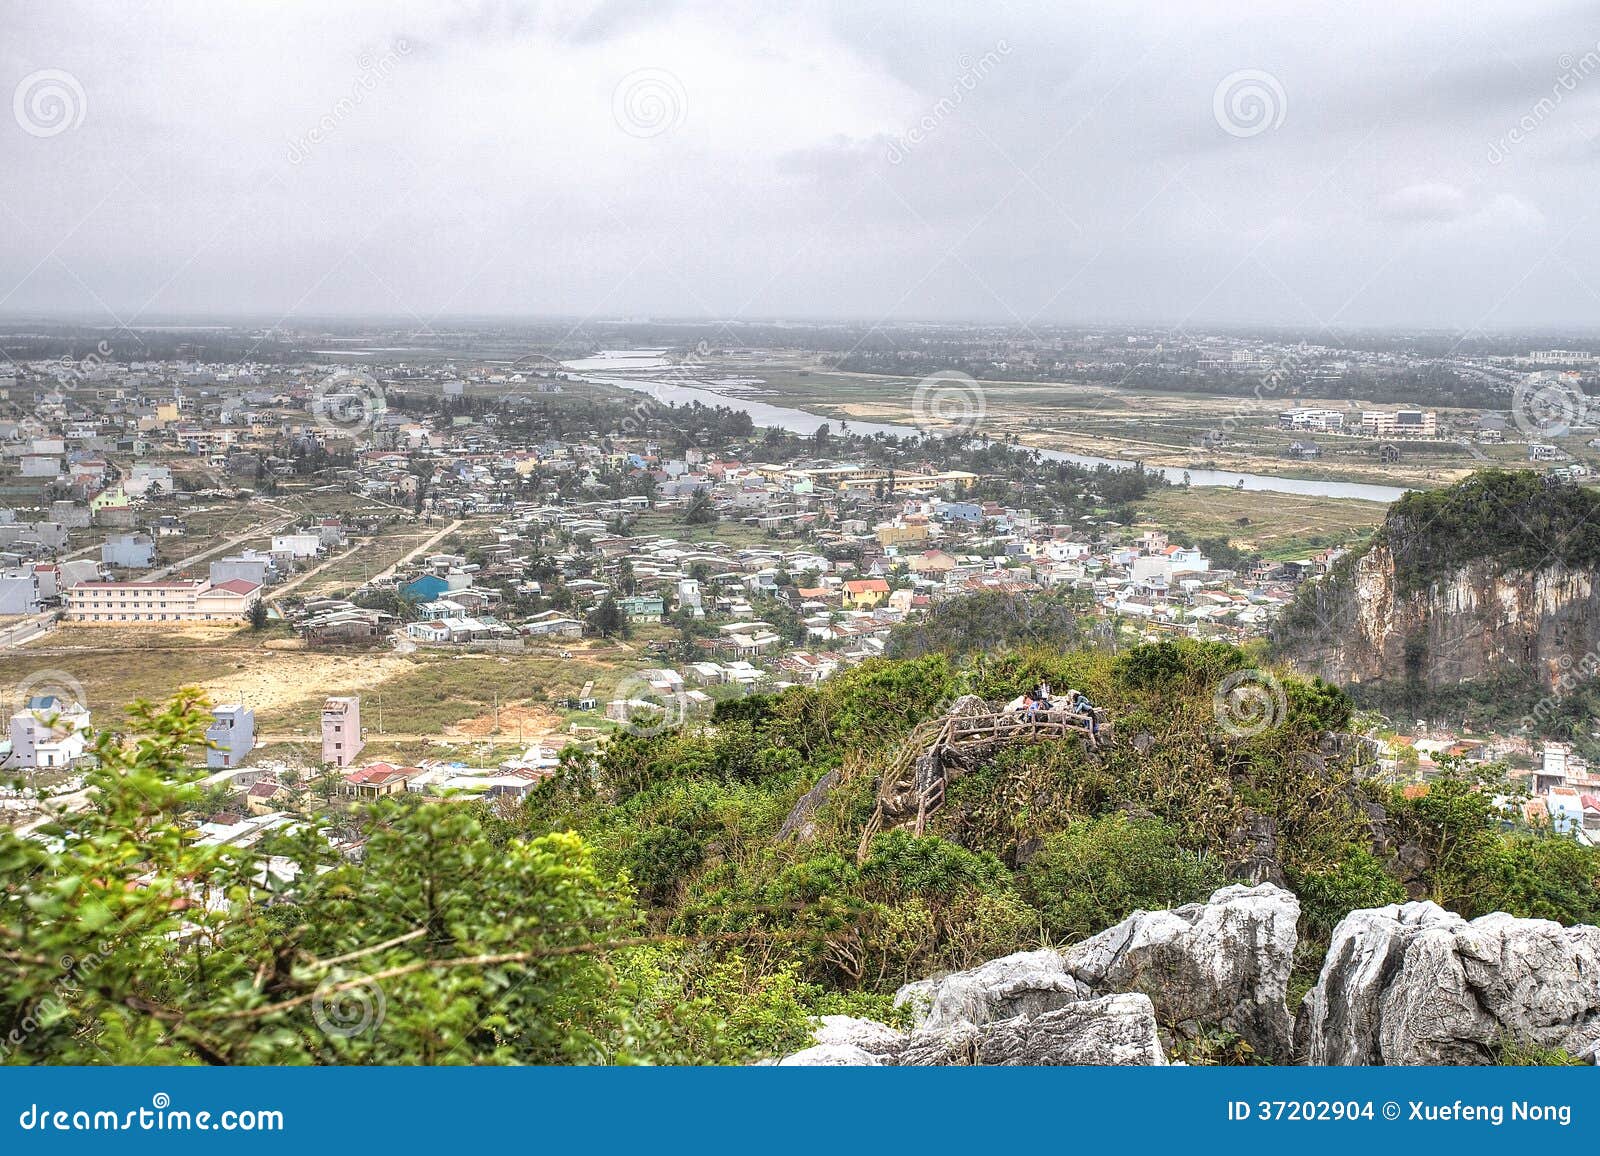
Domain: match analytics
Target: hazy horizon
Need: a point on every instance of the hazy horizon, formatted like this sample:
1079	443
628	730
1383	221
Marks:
1022	164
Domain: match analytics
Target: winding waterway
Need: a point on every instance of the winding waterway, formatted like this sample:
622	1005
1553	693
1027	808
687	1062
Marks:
634	370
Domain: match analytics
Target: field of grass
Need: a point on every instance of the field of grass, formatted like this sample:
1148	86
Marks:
1159	428
368	556
430	690
1281	526
423	693
732	533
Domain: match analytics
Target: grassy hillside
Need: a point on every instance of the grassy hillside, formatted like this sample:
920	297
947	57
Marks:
643	906
1045	844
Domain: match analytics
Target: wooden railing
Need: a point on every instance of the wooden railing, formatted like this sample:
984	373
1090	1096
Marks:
923	766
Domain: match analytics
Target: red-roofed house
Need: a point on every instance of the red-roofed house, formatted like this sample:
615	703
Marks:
266	796
375	780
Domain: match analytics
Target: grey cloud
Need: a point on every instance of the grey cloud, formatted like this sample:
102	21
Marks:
884	159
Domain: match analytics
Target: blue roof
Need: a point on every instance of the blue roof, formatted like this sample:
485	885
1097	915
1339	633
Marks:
426	588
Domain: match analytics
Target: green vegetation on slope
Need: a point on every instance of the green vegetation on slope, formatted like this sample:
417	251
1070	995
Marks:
1515	518
1503	520
989	620
641	907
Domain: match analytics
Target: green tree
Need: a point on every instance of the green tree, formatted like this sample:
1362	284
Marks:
608	619
1099	871
700	511
127	942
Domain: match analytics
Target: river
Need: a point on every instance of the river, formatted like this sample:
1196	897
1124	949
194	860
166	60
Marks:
680	386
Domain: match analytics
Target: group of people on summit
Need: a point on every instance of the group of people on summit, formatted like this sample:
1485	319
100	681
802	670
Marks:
1036	704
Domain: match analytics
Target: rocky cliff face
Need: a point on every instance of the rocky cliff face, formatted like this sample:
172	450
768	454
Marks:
1477	622
1405	984
1415	984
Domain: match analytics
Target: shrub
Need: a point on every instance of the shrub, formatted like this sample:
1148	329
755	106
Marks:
1099	871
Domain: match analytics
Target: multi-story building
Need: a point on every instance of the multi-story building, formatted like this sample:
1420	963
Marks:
1560	357
129	551
1323	420
169	600
19	591
341	730
232	736
1401	423
49	732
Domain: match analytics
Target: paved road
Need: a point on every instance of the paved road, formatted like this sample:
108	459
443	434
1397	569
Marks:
27	630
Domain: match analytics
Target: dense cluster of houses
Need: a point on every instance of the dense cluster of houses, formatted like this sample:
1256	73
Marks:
1556	788
860	571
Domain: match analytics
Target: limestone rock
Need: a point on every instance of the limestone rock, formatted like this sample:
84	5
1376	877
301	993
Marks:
868	1035
1025	984
1253	847
1223	963
1415	984
1111	1030
832	1056
970	706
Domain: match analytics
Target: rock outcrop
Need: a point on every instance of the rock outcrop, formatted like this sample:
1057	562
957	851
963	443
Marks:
1109	1030
1405	984
1495	579
1026	984
1224	964
867	1035
1479	622
832	1056
1115	1030
1415	984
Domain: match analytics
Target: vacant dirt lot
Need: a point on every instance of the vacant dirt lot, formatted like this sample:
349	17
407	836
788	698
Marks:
428	692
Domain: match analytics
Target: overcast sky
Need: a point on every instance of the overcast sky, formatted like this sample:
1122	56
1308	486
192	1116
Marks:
1186	163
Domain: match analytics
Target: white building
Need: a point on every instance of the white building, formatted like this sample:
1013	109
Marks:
1322	420
341	730
171	600
49	732
1401	423
297	545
